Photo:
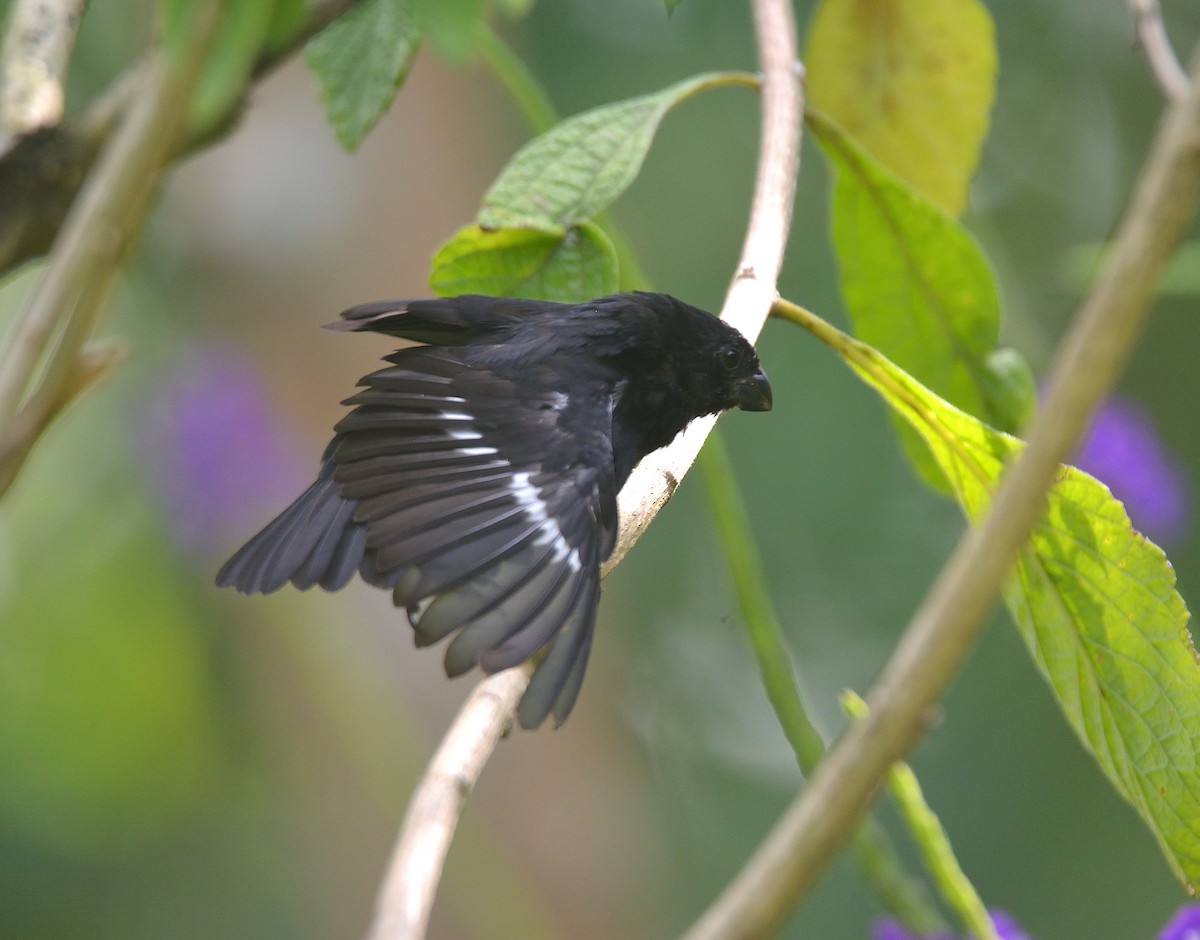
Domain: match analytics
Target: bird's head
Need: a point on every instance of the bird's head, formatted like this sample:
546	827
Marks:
716	363
678	363
744	380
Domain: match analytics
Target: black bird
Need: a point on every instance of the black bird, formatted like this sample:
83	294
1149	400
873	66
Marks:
476	477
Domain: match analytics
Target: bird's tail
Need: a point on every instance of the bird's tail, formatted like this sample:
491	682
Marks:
314	541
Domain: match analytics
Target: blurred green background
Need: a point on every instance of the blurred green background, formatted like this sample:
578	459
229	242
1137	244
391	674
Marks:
181	762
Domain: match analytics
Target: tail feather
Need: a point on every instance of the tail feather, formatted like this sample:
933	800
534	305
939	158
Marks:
314	541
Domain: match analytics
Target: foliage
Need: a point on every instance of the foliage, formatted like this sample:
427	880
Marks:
911	82
901	94
1096	604
1094	599
360	61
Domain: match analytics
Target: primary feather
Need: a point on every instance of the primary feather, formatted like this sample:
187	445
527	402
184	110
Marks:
476	476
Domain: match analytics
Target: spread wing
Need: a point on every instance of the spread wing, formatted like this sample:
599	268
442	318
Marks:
488	505
314	541
485	504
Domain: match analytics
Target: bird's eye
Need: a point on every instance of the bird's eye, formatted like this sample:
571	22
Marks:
731	357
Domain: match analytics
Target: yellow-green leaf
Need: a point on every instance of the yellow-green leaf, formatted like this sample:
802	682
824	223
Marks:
911	80
572	267
1096	604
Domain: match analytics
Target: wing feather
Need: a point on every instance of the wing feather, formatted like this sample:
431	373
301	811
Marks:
538	606
485	504
482	594
555	683
314	541
401	479
539	628
445	558
411	497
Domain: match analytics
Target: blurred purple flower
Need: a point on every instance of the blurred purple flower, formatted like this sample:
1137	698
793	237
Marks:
1185	925
1123	450
1006	927
219	461
885	928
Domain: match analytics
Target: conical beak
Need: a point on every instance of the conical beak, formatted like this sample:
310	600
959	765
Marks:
754	394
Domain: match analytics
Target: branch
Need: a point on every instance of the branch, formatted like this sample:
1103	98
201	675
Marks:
113	156
37	48
1152	37
748	302
58	317
91	365
42	173
944	628
406	897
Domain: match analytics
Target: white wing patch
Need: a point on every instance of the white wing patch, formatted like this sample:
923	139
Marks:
460	434
467	434
483	503
530	499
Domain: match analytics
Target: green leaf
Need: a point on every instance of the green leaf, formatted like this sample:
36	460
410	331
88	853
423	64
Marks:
1009	388
110	735
1096	604
109	730
359	61
450	25
575	170
572	267
913	81
916	285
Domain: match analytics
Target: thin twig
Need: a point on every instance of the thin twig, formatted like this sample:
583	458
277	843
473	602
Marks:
899	892
1152	37
37	48
944	628
42	176
59	315
753	290
93	364
42	173
931	840
415	866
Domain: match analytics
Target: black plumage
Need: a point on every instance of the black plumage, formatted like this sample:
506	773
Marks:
476	477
